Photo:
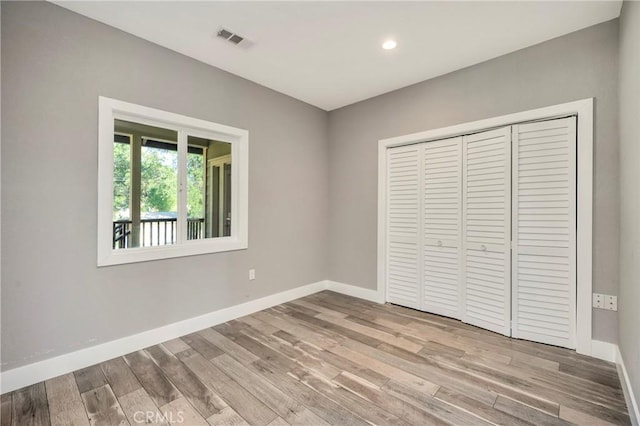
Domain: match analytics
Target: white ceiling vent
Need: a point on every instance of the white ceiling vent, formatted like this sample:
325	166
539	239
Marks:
233	38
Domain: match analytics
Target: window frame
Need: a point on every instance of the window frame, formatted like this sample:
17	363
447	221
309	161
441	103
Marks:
112	109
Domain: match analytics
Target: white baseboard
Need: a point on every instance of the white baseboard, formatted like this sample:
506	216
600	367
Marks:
632	402
604	350
43	370
611	352
355	291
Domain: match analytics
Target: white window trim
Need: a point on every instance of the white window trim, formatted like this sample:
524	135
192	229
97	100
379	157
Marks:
110	109
584	111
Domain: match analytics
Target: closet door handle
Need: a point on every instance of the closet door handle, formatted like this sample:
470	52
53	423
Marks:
439	243
483	247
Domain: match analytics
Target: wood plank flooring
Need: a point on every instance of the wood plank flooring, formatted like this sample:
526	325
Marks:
332	359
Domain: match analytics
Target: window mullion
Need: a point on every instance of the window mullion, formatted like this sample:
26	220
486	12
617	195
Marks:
136	189
182	187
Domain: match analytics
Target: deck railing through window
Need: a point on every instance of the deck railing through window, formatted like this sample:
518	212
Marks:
155	232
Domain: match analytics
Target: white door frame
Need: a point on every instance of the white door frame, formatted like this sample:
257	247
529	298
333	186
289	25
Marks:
584	111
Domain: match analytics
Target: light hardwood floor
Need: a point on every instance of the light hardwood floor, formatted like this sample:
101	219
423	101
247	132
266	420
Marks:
332	359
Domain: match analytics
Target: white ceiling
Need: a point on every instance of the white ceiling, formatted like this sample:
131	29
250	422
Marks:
329	53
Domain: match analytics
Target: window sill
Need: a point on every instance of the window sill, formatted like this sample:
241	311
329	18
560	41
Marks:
191	248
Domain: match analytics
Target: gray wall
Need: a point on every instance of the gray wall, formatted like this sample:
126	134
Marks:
579	65
54	298
630	191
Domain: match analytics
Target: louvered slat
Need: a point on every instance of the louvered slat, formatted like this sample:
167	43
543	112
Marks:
544	231
403	225
486	229
442	181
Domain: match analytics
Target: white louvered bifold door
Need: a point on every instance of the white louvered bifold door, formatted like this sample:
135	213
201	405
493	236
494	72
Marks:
404	215
486	229
544	231
442	214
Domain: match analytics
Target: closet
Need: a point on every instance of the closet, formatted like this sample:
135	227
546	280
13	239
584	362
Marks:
482	228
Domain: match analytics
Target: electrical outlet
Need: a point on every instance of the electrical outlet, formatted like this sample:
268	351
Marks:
611	303
598	300
605	301
252	274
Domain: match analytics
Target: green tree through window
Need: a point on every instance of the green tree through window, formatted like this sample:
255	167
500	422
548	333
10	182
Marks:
159	186
195	182
158	192
121	180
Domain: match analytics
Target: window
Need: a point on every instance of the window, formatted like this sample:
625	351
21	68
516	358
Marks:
168	185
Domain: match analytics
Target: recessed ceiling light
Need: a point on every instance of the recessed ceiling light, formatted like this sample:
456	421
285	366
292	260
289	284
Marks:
389	44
